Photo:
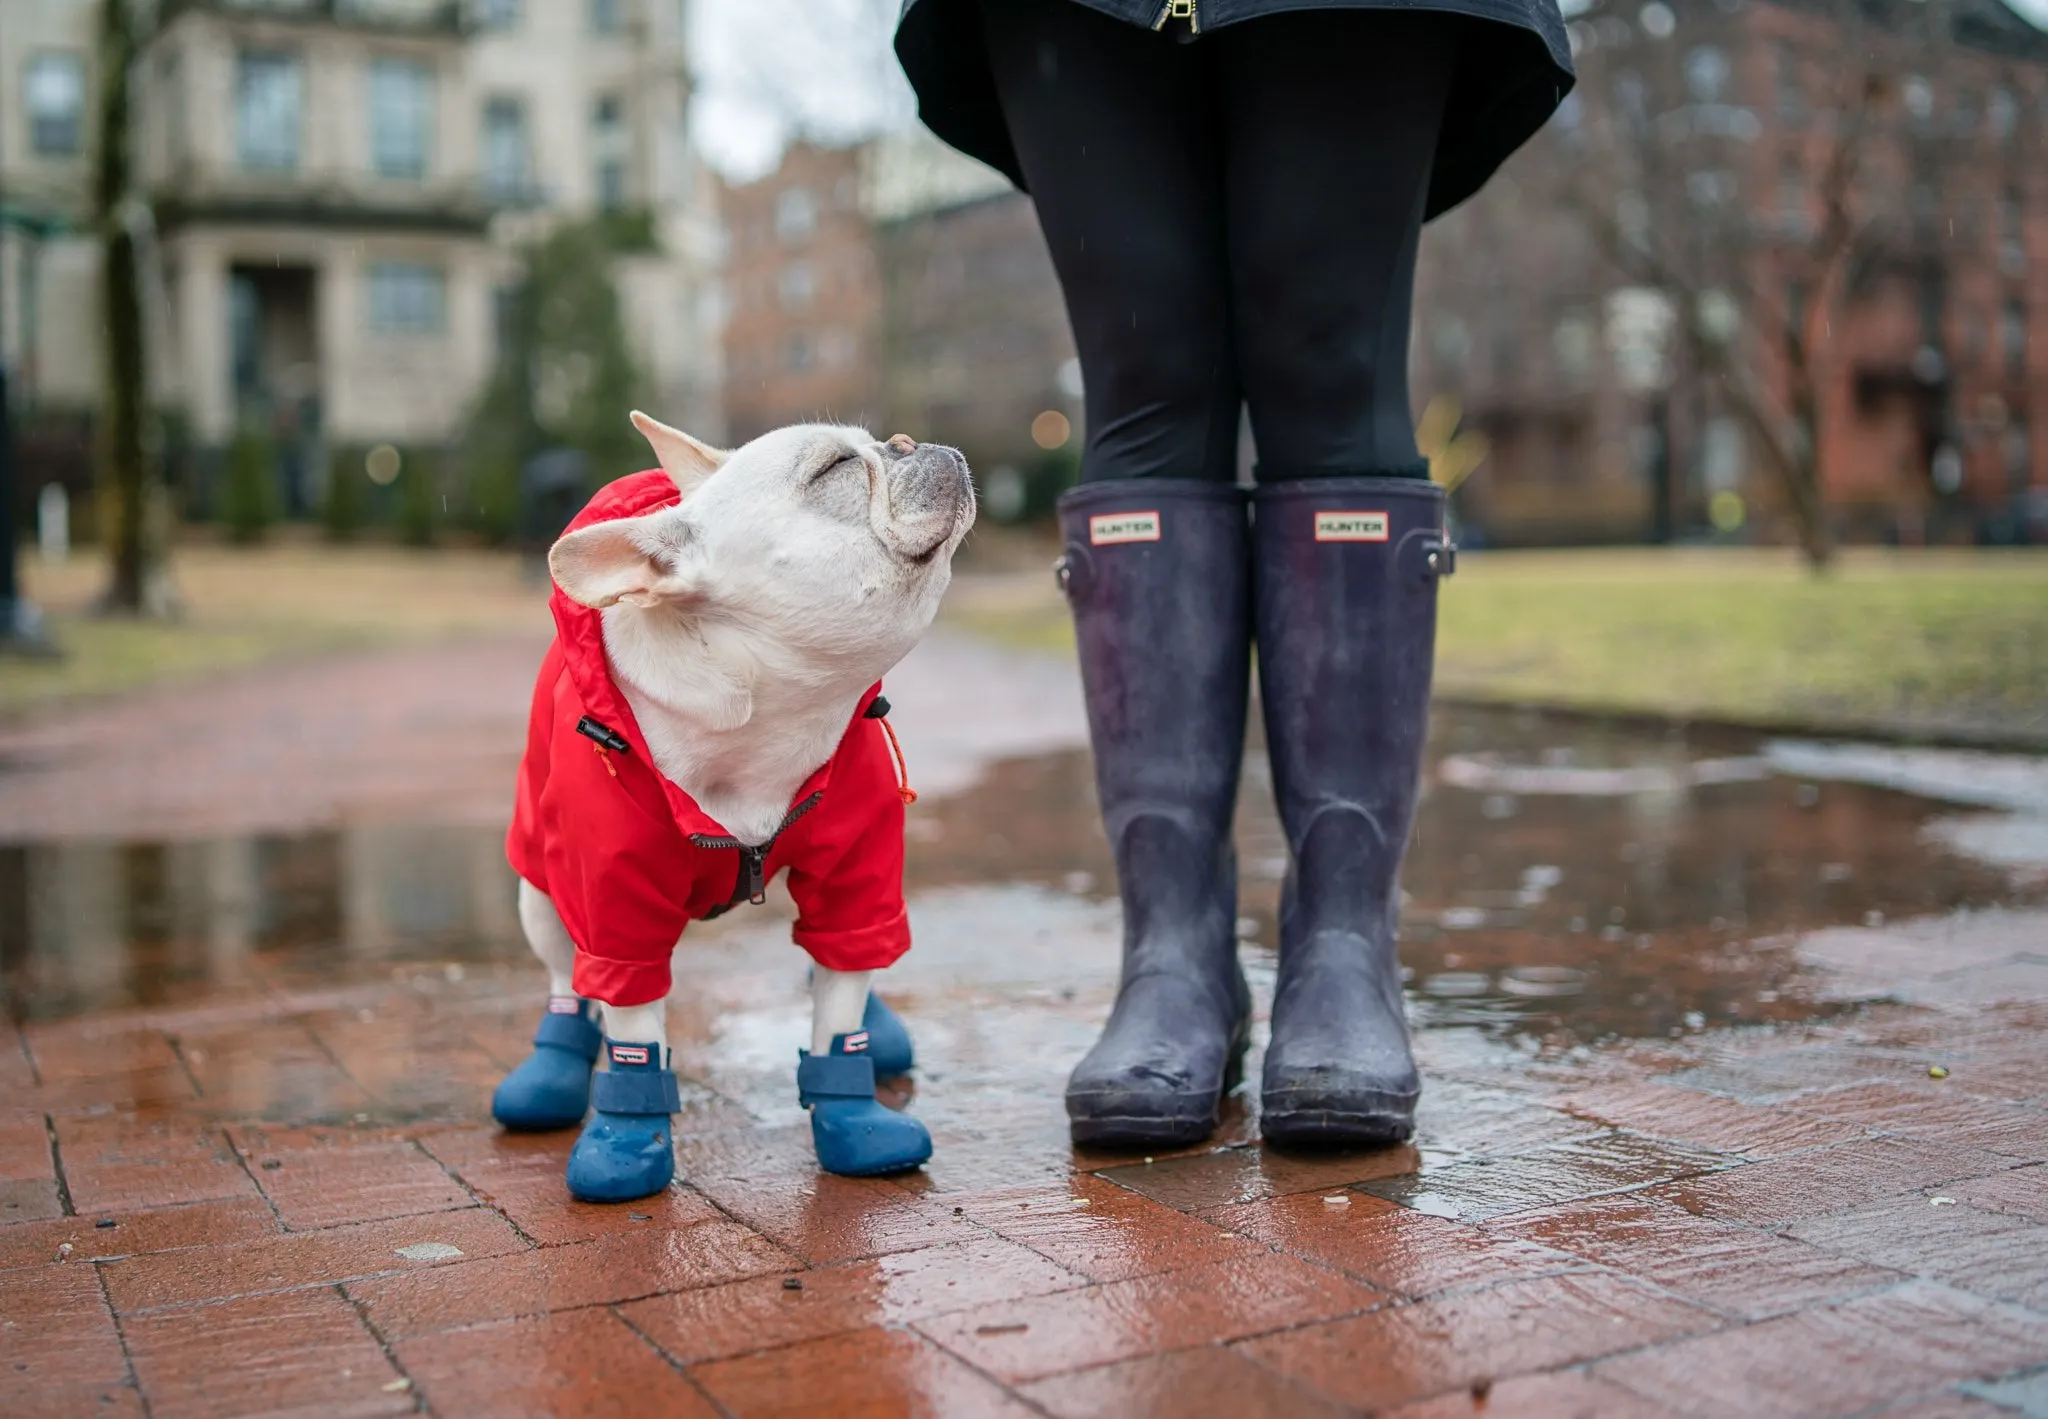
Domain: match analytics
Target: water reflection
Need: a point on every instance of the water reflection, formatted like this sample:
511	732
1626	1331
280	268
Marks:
1567	878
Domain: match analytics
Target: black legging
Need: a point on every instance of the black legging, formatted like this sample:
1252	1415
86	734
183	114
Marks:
1234	222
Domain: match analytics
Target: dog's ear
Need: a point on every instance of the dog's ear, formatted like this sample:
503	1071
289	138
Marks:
640	560
686	460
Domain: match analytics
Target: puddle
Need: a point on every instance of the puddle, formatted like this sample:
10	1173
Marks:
1568	880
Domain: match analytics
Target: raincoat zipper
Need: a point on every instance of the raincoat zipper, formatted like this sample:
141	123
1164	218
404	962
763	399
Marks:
1179	10
751	885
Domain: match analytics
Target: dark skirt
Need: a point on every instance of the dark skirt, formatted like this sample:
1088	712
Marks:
1512	74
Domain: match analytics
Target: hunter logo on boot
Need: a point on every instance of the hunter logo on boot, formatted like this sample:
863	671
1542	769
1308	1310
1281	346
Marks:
629	1054
1113	527
1351	527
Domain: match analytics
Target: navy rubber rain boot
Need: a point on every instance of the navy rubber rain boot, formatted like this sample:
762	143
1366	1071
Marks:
626	1150
551	1086
1156	573
856	1136
1345	574
888	1040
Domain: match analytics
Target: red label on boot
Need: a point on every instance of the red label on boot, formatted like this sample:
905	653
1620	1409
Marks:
629	1054
1351	527
1114	527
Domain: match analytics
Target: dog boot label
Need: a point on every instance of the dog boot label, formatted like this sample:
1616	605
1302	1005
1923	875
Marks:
629	1054
1351	527
1112	527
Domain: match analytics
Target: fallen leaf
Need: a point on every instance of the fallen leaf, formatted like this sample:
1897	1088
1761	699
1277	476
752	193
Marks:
429	1251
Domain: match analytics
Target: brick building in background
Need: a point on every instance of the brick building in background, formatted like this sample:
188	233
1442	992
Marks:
904	285
1930	368
803	296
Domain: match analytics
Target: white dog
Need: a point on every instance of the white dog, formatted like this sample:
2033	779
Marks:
709	716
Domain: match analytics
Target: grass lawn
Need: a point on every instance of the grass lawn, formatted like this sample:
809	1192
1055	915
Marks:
1938	642
295	597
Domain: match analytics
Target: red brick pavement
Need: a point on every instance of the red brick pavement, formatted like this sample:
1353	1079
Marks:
1641	1242
282	1195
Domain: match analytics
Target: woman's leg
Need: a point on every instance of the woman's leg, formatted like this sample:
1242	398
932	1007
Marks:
1115	129
1332	122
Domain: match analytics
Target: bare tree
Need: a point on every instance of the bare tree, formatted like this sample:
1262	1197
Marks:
133	510
1767	176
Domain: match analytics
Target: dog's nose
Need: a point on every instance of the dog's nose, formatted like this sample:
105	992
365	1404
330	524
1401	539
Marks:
903	443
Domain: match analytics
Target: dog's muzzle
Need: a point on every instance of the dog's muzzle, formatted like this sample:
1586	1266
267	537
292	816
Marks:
931	495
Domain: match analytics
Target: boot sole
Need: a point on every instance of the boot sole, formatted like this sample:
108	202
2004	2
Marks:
1326	1128
1173	1129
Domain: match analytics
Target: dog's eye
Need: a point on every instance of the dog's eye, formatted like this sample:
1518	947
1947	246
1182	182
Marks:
839	465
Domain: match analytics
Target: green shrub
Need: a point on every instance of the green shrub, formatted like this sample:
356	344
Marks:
420	507
248	502
490	491
347	504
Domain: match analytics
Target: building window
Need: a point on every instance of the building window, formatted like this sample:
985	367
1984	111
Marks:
269	109
497	14
407	298
54	88
607	16
401	117
796	214
1793	198
608	143
1791	97
1706	73
796	285
2002	114
505	152
505	314
1919	95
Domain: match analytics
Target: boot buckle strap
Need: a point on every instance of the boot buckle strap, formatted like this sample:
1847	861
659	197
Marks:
635	1092
834	1076
1427	554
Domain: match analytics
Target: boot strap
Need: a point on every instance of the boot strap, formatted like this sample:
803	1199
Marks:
833	1076
577	1034
635	1092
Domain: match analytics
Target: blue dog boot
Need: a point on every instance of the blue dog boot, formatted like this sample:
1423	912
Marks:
855	1136
551	1086
625	1150
888	1039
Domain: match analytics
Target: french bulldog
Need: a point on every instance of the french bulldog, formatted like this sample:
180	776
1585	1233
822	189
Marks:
708	717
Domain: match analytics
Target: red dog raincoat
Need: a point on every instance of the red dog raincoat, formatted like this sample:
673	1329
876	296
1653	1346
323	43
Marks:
629	858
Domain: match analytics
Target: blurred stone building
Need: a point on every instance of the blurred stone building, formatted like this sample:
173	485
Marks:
900	284
1825	219
339	188
803	296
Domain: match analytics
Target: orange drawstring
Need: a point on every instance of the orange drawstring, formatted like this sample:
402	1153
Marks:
605	755
903	789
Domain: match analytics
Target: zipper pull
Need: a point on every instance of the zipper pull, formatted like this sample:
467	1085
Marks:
752	880
1179	10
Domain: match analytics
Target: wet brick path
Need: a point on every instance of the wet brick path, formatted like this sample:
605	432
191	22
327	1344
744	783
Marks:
261	1180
